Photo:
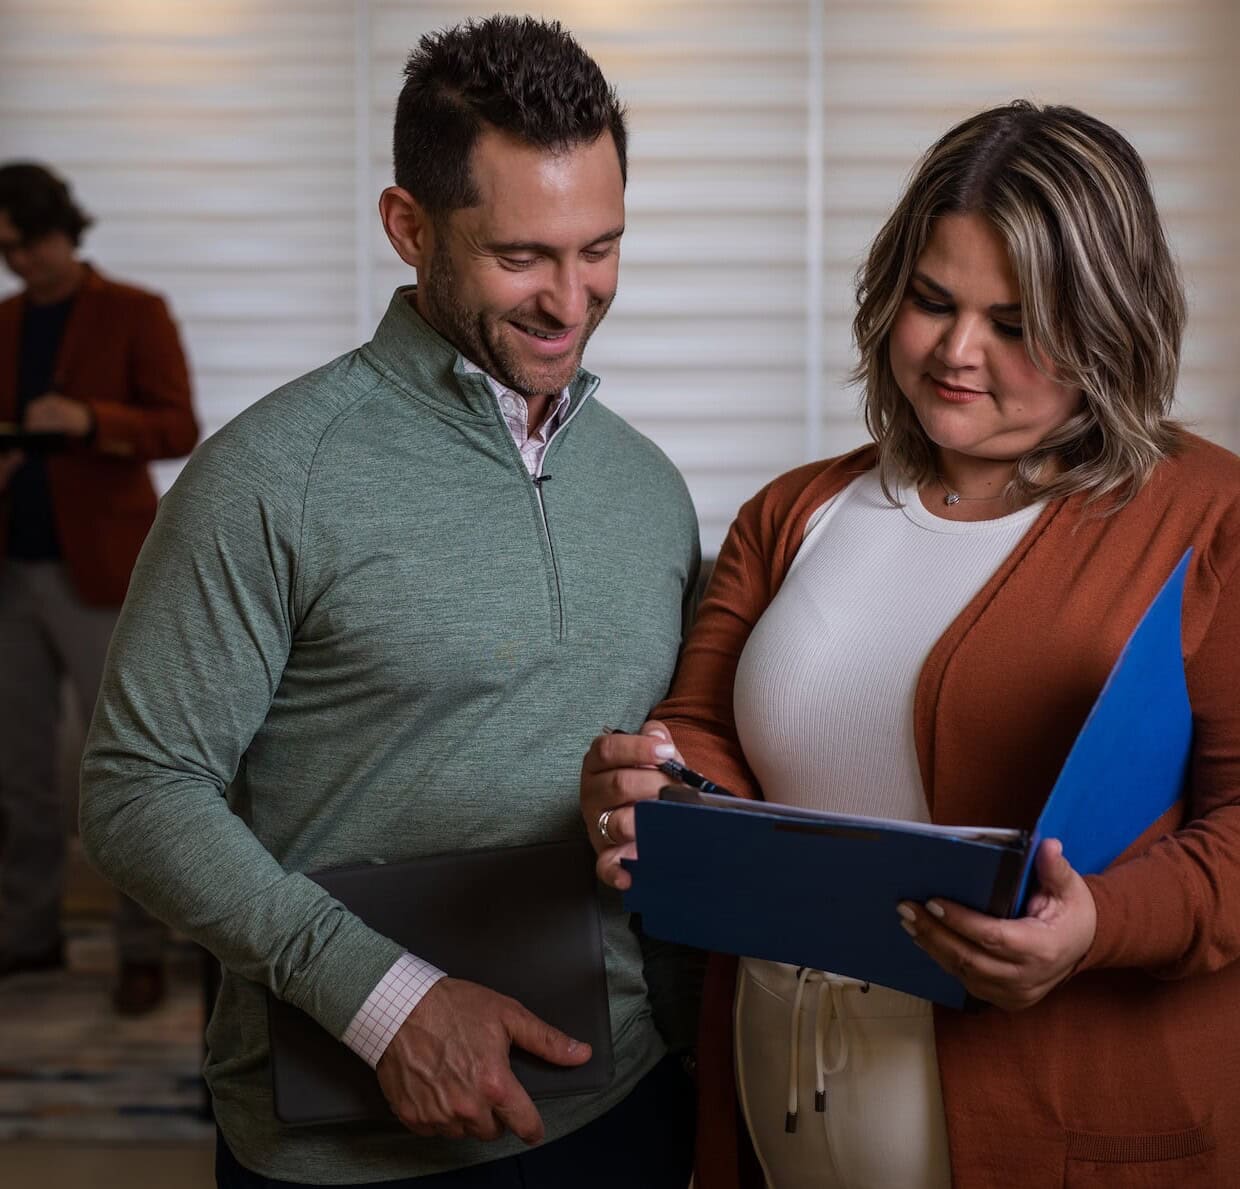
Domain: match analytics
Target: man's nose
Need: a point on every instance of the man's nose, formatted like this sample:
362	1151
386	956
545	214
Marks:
566	299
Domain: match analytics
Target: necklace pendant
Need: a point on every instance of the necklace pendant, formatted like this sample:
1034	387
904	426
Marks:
952	497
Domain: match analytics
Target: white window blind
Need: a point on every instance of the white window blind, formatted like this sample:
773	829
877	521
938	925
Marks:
214	145
898	73
232	152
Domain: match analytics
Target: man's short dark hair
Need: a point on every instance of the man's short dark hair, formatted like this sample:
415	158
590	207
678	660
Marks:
38	202
526	77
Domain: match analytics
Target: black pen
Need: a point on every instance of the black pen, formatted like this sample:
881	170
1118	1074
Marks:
695	780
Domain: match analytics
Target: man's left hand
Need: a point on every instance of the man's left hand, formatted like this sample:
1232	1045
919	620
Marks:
54	413
1012	964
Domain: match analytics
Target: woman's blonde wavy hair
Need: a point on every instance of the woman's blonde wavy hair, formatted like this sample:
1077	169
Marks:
1102	300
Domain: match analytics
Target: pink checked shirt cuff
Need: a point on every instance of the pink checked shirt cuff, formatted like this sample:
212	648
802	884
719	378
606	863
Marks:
388	1006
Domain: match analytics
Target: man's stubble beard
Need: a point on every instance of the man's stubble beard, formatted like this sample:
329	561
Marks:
482	344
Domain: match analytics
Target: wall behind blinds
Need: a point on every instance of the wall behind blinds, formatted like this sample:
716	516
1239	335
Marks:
232	152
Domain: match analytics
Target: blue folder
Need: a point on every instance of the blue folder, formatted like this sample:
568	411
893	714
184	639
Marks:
820	889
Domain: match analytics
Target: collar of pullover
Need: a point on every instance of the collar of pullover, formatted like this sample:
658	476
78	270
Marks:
431	369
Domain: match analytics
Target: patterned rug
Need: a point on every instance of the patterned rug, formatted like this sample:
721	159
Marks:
73	1070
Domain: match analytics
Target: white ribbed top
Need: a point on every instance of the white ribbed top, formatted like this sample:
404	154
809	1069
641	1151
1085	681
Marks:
824	689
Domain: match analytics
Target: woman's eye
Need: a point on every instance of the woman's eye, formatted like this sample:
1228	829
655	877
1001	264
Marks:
931	307
1010	330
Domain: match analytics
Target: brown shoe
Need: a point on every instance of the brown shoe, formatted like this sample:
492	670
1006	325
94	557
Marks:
139	989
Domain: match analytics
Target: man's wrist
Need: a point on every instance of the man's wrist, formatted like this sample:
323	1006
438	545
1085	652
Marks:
387	1007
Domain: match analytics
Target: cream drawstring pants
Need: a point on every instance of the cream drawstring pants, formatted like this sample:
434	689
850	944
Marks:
838	1081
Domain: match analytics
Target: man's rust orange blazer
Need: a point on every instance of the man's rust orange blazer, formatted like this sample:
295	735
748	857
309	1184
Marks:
122	356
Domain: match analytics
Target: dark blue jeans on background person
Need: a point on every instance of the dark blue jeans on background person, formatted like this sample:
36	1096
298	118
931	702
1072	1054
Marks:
644	1142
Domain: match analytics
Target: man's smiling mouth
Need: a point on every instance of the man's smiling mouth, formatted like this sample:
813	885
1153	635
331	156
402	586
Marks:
548	336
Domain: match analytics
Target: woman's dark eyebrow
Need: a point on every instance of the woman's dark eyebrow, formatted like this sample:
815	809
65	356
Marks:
1011	307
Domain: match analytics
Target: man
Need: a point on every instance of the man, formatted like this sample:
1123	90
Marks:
381	615
95	368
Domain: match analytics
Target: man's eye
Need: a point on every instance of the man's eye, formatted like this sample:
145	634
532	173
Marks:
516	262
931	307
594	255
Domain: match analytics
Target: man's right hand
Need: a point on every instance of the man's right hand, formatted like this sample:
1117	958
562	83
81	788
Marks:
619	770
10	460
446	1070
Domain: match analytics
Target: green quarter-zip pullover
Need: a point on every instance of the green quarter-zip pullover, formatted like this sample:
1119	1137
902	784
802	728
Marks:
360	631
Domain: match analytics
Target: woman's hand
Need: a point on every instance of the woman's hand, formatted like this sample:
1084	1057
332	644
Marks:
618	771
1012	964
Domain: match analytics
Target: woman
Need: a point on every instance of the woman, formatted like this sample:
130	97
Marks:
917	630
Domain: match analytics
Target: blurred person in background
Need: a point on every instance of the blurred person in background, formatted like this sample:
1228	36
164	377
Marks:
917	630
402	593
93	369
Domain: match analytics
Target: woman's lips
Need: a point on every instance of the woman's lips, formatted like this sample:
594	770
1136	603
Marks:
957	396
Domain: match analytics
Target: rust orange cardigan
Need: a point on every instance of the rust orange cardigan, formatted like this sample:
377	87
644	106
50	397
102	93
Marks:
1128	1074
122	356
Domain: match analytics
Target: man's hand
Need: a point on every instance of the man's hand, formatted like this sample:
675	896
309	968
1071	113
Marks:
53	413
446	1070
10	460
617	772
1012	964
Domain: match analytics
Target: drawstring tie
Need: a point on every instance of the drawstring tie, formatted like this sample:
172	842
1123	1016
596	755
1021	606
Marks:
829	1003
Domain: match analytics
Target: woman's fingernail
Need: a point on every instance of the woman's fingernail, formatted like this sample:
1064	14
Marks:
665	751
906	911
909	928
935	909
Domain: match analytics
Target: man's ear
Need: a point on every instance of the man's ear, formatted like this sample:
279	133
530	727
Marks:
408	226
